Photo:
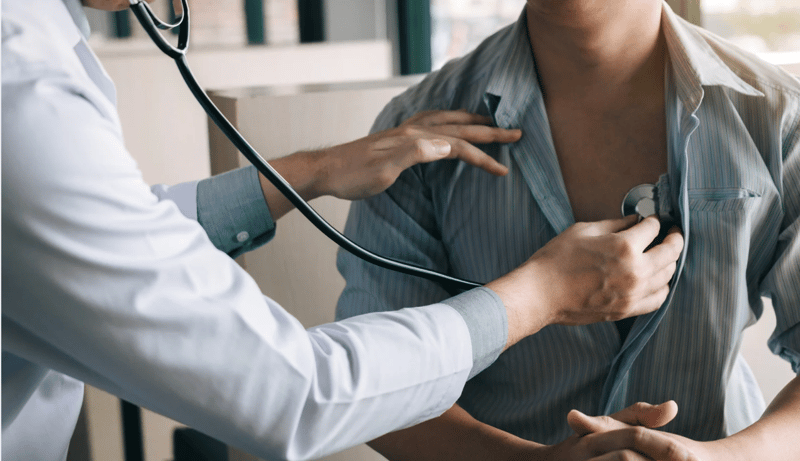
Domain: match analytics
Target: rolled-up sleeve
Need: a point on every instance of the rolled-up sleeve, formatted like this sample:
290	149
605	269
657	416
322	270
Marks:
782	283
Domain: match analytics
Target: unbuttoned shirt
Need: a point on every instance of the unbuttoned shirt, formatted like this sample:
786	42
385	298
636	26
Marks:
733	184
106	281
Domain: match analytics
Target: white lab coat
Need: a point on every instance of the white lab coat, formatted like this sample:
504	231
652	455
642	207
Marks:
106	284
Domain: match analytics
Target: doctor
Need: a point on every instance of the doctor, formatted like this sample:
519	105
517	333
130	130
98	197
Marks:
133	290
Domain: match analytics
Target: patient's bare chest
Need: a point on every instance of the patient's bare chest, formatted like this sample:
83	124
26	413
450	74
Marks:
602	156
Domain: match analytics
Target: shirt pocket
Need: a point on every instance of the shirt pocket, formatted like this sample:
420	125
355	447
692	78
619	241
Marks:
721	200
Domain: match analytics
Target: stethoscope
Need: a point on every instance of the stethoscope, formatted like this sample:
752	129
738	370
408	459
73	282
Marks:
151	23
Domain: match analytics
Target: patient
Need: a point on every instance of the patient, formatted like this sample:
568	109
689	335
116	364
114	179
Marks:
609	94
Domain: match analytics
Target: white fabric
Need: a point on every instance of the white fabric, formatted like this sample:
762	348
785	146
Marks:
106	284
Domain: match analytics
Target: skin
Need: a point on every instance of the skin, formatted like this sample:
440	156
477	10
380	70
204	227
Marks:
600	65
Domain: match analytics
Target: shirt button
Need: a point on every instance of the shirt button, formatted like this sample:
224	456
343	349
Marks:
242	236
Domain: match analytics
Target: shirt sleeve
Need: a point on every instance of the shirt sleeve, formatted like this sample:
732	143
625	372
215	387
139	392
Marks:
401	224
230	207
106	283
782	282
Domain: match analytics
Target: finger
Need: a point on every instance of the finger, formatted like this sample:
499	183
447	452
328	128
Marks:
667	251
622	455
644	414
421	150
642	234
650	302
447	117
470	154
661	279
477	134
648	442
582	424
609	226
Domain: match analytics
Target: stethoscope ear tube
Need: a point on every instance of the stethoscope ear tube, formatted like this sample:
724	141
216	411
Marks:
148	20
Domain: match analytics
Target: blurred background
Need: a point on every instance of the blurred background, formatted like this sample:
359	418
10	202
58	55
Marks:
261	57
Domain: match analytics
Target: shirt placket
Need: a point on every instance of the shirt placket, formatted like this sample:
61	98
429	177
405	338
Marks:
614	390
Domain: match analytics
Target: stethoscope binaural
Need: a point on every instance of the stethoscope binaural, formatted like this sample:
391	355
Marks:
636	201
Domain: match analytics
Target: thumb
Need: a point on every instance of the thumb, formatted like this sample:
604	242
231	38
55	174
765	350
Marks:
644	414
583	424
610	226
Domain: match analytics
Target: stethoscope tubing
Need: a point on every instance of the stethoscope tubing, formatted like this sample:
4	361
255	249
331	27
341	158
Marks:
150	23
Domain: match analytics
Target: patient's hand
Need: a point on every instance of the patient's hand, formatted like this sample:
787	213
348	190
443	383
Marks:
624	436
628	435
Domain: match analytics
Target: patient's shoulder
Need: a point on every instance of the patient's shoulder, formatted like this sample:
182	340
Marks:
459	84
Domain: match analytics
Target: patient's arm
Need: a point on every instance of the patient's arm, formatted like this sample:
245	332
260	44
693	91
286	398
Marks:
456	435
453	435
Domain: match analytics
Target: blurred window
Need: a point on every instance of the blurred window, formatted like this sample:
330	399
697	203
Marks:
458	26
759	26
214	22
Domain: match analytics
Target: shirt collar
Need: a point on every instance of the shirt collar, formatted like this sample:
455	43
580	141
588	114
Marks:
515	77
694	62
75	9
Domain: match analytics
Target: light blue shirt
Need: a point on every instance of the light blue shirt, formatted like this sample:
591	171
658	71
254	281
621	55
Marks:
106	281
733	182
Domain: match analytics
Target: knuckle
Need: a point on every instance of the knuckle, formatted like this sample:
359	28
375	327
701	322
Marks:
607	421
407	130
673	451
640	407
638	435
625	250
421	146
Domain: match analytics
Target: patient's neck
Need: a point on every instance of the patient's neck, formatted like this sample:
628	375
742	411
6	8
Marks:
594	49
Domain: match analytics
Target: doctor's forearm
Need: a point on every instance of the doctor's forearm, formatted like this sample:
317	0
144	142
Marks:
304	171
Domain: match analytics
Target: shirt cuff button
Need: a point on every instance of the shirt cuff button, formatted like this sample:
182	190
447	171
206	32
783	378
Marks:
242	236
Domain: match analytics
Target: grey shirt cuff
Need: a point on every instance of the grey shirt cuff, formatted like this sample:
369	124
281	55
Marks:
232	210
486	319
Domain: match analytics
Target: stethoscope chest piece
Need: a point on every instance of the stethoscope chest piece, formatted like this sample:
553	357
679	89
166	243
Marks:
640	200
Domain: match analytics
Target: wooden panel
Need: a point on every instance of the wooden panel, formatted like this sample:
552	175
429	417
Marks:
165	129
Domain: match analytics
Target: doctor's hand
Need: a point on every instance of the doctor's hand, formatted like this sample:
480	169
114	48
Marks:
367	166
592	272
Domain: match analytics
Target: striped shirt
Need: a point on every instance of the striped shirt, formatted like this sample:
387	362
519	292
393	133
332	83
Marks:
733	182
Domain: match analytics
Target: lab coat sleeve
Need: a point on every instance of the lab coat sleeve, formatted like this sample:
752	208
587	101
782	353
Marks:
782	283
401	223
105	282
